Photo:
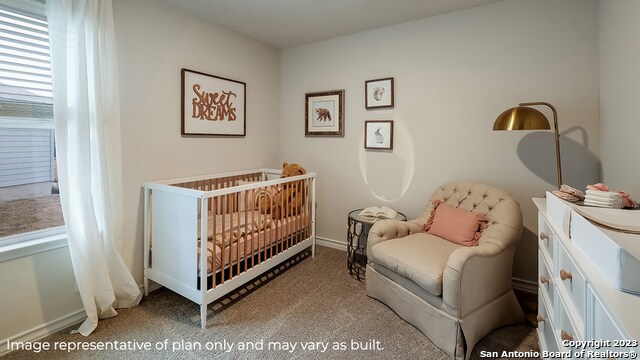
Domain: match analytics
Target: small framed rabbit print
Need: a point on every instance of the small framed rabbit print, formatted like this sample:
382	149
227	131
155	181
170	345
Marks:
378	134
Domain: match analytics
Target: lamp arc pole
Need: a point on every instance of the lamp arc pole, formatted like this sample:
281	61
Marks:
557	137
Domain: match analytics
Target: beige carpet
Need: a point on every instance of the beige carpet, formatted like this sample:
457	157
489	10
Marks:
313	300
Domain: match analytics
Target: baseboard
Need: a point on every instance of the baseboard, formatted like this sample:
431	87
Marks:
153	286
334	244
524	285
49	328
44	330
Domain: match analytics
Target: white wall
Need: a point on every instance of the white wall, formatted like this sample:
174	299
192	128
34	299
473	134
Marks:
619	94
154	41
38	295
454	74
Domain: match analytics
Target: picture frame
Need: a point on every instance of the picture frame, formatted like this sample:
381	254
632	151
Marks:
378	134
212	105
324	113
379	93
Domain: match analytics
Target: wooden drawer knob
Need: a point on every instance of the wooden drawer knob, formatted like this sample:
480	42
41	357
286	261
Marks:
565	275
544	236
540	318
565	336
544	279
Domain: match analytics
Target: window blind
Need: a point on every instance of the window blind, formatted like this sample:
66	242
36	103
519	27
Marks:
25	65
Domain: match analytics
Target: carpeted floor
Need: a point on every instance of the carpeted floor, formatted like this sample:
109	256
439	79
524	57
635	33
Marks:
313	300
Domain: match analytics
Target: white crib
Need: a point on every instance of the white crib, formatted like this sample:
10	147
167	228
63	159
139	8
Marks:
244	239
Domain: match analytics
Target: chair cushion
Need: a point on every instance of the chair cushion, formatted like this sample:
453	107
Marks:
419	257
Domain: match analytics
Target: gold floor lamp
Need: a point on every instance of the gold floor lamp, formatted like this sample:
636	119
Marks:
524	117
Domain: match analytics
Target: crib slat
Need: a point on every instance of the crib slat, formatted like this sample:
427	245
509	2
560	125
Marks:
265	240
299	217
261	239
209	188
275	230
299	214
294	211
304	209
215	246
237	234
306	200
309	205
259	207
253	224
228	215
224	237
289	205
282	224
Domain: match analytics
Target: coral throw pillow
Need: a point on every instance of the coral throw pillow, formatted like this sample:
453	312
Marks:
456	225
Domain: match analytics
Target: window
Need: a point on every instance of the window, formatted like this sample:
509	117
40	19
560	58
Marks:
29	199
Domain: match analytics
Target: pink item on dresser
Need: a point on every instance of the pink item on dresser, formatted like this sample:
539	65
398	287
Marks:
600	192
598	186
627	201
571	191
565	196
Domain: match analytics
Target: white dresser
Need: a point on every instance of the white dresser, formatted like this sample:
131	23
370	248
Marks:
579	308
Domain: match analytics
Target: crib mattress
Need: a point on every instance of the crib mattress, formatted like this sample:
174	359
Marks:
240	239
229	227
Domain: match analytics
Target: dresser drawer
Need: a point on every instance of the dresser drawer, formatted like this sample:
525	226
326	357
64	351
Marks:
546	238
546	286
564	330
545	326
570	279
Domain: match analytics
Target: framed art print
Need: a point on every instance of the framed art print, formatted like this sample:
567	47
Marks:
324	113
379	93
378	135
212	105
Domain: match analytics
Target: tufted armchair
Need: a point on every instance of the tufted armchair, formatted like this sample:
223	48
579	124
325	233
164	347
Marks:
452	293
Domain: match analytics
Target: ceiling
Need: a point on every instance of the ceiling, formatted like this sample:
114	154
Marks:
287	23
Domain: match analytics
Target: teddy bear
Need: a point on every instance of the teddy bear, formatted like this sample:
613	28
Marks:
289	197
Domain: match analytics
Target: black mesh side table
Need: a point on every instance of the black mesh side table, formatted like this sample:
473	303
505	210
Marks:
357	232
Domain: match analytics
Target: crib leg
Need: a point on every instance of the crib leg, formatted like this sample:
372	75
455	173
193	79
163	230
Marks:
146	286
203	316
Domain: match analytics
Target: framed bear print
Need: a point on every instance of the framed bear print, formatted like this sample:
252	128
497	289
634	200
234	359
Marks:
378	135
378	94
324	113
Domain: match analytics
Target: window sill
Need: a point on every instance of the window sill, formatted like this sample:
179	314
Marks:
33	243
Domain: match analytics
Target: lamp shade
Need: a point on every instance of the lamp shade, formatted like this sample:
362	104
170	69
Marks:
521	118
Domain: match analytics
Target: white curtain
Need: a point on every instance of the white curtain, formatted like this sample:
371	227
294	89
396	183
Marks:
87	122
